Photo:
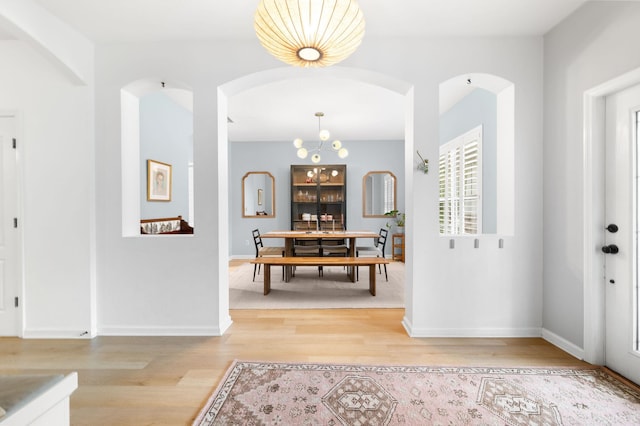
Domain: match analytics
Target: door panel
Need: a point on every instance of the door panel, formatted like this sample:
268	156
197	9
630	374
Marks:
620	248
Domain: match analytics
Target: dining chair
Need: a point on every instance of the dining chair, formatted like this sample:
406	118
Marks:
262	251
376	250
333	246
307	247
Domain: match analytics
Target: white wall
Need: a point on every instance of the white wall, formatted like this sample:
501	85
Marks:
485	291
55	136
157	285
591	47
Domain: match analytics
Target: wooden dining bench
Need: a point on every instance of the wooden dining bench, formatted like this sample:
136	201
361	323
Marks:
371	262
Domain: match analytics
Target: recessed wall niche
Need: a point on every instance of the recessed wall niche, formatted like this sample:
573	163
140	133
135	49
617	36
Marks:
476	161
157	124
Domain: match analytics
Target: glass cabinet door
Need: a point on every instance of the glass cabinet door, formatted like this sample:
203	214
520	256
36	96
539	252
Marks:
318	197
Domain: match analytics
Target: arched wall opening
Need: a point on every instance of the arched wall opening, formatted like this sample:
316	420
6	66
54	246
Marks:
228	90
458	107
135	205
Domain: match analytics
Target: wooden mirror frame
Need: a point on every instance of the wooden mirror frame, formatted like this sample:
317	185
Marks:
365	178
262	197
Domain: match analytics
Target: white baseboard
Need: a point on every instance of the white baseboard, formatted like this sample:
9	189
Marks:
472	332
224	326
406	323
50	333
127	331
242	256
159	331
563	344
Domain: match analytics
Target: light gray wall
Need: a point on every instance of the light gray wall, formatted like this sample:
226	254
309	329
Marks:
591	47
277	157
478	108
166	135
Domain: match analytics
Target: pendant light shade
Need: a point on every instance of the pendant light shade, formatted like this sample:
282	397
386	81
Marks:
309	33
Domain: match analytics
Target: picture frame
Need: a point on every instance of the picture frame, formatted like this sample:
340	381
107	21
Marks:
159	179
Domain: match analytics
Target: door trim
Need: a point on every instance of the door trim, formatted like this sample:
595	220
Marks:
593	179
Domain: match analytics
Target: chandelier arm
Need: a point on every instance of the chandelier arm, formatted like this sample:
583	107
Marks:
315	158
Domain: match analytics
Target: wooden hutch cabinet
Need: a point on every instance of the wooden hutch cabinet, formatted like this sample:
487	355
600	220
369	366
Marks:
319	197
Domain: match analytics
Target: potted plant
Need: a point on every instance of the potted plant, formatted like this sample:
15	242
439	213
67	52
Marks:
398	220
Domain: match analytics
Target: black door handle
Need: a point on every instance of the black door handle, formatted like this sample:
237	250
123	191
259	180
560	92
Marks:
610	249
612	227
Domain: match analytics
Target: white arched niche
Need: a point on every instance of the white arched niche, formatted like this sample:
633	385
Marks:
134	166
464	100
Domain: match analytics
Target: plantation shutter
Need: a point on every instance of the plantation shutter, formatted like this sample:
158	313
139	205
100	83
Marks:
460	175
389	195
470	181
442	204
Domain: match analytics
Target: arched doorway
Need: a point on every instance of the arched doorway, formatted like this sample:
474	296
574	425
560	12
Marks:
235	87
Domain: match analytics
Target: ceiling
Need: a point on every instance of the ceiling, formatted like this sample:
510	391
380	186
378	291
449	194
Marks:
260	114
158	20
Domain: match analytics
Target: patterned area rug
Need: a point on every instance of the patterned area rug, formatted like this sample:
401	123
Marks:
307	290
254	393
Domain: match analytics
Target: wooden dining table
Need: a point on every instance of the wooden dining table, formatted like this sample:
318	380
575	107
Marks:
290	236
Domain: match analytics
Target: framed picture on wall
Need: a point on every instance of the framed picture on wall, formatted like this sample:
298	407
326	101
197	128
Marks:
158	181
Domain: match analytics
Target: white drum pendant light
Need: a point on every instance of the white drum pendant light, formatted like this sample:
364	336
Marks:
309	33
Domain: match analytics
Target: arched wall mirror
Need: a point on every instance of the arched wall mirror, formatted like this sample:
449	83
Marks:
258	195
378	193
476	155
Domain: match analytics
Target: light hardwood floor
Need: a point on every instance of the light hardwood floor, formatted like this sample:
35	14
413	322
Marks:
166	380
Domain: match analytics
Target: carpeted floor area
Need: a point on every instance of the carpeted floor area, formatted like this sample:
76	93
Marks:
253	393
309	291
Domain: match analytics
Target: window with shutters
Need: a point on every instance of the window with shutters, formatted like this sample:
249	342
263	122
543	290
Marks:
389	192
460	178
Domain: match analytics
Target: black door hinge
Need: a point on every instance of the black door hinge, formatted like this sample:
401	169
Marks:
16	302
15	222
14	143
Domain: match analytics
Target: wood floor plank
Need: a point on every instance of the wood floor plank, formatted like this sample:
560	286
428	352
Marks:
166	380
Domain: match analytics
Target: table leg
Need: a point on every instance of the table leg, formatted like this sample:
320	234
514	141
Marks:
372	279
351	270
267	279
288	252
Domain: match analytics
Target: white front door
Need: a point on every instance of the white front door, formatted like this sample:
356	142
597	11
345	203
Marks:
621	245
9	253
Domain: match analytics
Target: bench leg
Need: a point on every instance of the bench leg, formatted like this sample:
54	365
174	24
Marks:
372	279
267	279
